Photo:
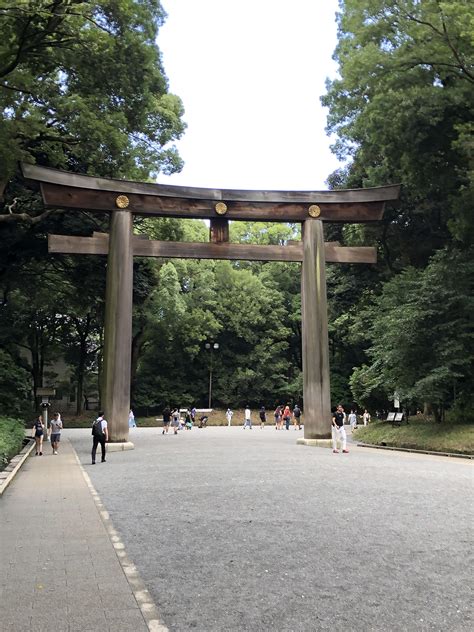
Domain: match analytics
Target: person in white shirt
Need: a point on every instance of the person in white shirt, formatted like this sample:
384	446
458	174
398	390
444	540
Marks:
352	420
228	416
247	418
100	434
366	417
55	430
338	430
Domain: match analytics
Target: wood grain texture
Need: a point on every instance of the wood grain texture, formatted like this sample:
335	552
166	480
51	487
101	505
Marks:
219	230
104	201
72	180
118	326
193	250
315	343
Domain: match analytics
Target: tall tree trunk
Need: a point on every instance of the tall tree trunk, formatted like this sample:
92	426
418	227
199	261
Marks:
37	361
137	343
81	366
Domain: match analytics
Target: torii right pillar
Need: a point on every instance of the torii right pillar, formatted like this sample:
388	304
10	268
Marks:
314	317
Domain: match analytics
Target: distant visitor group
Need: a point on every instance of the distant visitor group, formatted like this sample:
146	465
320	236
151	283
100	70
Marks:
185	419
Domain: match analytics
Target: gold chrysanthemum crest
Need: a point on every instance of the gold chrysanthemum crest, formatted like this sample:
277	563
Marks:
221	208
122	201
314	210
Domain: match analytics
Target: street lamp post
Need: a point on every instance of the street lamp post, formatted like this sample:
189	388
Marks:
211	346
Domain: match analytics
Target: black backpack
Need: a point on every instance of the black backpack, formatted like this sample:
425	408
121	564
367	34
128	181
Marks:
97	428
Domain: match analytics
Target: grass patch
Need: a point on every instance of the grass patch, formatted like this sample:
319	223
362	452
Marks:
420	434
12	433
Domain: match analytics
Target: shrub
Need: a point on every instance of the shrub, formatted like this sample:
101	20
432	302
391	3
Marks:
12	433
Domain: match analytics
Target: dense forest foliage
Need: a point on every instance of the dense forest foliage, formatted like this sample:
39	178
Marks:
82	88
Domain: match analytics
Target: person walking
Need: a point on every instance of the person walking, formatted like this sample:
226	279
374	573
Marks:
352	420
277	415
338	430
228	416
55	432
247	418
38	433
366	417
131	420
188	422
175	420
297	417
166	420
263	417
287	416
100	434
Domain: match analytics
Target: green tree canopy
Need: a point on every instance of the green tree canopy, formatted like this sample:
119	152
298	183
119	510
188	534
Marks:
402	110
82	87
421	336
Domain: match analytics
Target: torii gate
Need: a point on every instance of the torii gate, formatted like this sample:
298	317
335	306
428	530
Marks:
123	199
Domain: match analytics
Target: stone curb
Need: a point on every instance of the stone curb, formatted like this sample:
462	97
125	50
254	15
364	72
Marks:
120	446
11	470
140	592
318	443
432	452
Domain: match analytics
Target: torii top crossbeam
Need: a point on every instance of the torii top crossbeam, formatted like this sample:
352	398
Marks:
68	190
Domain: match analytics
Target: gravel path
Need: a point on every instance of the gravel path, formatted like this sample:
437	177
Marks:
237	530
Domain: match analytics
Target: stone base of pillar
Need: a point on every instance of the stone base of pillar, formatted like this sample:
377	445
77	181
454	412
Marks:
120	446
318	443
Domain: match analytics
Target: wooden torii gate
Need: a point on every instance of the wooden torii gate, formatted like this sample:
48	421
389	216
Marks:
123	199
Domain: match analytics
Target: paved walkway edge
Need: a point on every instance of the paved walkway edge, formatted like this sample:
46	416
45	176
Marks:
144	599
432	452
14	466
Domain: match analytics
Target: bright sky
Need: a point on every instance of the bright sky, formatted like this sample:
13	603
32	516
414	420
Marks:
250	74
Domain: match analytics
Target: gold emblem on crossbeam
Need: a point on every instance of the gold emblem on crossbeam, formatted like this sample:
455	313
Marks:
221	208
122	201
314	210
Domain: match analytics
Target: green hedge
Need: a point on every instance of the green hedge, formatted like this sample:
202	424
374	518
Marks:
12	433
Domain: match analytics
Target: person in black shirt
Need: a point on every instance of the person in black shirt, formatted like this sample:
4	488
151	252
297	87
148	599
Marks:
338	430
166	420
263	417
38	429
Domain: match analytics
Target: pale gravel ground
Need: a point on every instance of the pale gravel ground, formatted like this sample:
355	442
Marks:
237	530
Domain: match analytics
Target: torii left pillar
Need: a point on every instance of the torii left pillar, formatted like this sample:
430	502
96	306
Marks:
118	329
315	340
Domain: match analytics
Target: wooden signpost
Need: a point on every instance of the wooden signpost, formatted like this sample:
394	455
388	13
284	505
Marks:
124	199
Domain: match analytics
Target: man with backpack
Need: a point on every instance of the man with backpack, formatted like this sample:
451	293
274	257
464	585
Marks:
297	416
100	434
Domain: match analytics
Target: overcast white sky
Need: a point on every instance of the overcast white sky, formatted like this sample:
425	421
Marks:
250	74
